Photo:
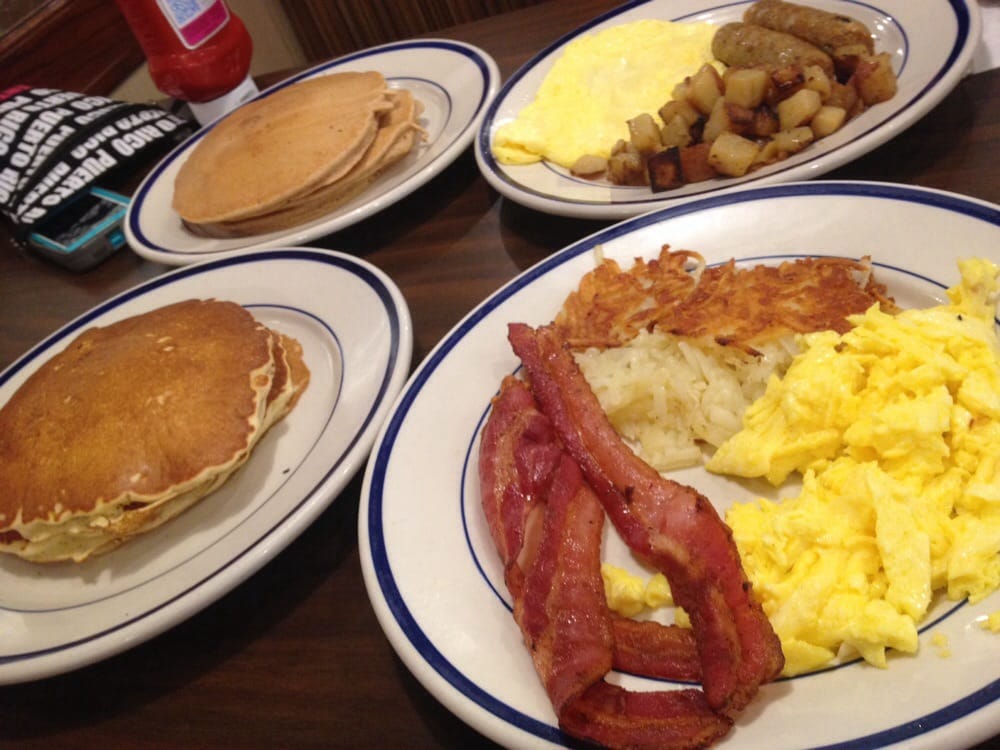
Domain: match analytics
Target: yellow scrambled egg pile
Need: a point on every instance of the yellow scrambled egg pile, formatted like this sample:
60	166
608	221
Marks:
629	594
601	81
894	427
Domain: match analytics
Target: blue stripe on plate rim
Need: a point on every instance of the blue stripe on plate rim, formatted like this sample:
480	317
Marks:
364	273
393	598
959	7
465	50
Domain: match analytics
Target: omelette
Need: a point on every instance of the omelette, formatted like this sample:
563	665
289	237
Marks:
597	84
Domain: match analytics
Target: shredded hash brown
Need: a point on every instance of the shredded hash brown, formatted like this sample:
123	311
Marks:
677	293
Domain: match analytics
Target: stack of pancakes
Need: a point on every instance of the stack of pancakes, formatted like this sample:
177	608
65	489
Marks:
294	155
134	422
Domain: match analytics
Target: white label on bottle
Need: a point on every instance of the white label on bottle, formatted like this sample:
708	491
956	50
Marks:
195	21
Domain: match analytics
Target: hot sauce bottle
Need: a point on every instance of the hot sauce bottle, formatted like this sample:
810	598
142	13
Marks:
198	51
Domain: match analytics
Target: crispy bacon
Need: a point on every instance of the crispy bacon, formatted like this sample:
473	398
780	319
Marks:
559	600
517	460
653	650
670	525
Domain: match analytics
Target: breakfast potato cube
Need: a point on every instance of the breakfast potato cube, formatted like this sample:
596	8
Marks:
589	165
681	90
784	82
697	129
626	167
794	140
695	166
827	120
798	109
768	154
857	109
705	89
732	154
746	87
874	79
644	134
818	81
677	132
664	170
765	122
717	122
680	107
843	96
741	119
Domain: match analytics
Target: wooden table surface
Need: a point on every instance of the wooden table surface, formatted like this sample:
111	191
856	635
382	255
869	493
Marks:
294	657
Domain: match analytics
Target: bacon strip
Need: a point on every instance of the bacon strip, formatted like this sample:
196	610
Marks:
654	650
559	600
670	525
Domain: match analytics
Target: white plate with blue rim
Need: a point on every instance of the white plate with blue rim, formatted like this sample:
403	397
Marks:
931	45
454	82
433	574
354	327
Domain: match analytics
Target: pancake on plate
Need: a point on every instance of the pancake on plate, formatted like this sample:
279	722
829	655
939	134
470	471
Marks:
134	422
398	132
295	155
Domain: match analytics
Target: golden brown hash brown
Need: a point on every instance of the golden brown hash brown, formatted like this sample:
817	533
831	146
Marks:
676	293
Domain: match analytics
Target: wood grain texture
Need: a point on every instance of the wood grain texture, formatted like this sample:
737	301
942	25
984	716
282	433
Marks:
294	657
330	29
74	45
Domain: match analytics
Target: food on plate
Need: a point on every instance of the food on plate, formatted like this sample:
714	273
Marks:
831	32
600	81
134	422
530	484
745	45
629	594
779	93
894	427
890	416
551	466
394	139
676	351
294	155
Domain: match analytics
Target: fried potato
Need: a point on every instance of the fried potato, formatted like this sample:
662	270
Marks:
772	109
732	154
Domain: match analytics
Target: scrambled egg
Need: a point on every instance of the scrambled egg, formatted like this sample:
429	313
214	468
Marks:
940	641
601	81
628	594
895	429
991	622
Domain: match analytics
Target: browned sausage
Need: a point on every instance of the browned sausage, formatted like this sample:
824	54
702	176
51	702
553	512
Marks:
745	45
828	31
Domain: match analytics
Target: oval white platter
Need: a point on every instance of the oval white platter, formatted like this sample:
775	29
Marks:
357	340
434	577
453	81
931	45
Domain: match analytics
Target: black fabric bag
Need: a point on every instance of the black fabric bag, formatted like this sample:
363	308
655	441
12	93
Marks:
55	144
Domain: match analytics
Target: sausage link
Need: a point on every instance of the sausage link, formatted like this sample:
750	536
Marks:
828	31
745	45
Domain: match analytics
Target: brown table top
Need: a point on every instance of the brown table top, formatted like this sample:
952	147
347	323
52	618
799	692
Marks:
294	657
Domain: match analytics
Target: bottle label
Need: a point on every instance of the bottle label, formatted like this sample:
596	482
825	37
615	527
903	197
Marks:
195	21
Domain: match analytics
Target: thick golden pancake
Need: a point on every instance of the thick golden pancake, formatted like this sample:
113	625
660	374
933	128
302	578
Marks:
677	294
282	145
397	133
134	422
